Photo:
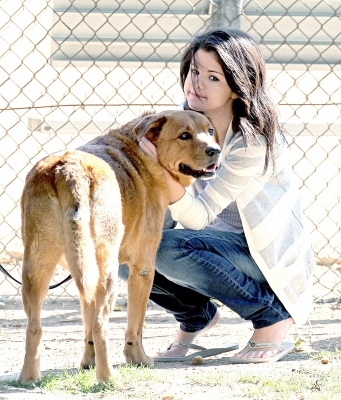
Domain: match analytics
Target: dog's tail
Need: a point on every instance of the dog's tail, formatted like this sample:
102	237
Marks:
90	202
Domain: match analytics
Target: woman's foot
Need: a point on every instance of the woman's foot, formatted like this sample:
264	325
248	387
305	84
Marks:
271	334
187	337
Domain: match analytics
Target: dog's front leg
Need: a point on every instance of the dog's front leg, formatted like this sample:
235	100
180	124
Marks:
139	286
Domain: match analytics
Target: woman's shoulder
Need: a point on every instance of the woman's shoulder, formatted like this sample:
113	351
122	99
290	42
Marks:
238	140
255	144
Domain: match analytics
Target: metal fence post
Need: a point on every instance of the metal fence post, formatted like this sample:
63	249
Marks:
228	10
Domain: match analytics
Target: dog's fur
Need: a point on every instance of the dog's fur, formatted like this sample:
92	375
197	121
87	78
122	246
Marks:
104	204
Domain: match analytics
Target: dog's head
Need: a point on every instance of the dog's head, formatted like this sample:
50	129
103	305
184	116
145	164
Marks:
185	141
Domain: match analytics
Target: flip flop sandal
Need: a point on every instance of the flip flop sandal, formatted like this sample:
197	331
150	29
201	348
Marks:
202	351
282	350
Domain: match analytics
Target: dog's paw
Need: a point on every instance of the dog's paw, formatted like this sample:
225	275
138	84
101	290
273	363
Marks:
87	364
29	377
106	374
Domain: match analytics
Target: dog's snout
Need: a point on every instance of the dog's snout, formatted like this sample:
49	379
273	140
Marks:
212	151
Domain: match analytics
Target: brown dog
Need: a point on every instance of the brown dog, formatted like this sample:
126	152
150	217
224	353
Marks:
92	209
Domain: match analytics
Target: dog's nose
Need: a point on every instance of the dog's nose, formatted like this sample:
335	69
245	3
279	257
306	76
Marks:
212	151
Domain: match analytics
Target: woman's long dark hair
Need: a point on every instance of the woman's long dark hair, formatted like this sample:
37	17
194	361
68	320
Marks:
241	59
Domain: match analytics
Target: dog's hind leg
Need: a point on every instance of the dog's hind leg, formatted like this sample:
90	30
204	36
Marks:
88	312
105	298
38	268
95	279
102	306
96	313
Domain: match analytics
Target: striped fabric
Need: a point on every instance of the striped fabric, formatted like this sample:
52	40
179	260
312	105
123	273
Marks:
228	220
271	214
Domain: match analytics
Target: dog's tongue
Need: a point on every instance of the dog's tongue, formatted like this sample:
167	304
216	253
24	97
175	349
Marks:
211	168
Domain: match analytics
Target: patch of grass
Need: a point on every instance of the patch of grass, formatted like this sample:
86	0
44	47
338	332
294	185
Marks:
323	384
305	384
80	382
137	373
319	382
212	379
85	382
327	355
12	383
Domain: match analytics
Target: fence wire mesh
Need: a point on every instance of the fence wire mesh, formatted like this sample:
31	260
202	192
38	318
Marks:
71	69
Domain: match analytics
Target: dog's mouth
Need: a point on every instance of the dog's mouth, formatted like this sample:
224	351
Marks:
204	173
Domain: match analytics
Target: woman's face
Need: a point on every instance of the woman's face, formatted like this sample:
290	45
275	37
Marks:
205	87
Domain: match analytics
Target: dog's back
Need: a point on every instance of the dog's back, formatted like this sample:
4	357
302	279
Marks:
71	207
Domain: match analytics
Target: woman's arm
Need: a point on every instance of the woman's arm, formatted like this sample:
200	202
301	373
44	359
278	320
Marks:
239	166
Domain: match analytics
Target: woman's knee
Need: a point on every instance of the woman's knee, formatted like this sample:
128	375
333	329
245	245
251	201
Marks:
171	250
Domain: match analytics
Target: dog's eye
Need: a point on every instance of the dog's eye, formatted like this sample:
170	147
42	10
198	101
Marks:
185	136
211	131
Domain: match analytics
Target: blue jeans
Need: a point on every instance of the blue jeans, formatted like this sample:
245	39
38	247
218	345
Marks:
193	267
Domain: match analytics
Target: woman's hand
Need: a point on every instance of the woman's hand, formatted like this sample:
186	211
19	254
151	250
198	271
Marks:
176	190
148	148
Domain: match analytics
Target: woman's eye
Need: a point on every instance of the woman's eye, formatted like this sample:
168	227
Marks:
214	78
194	72
185	136
211	131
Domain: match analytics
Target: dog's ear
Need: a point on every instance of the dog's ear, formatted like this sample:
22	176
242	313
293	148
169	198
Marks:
150	126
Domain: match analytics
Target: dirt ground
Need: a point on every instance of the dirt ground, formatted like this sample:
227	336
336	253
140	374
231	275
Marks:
63	343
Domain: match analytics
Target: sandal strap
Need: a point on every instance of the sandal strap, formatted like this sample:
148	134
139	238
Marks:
265	345
187	345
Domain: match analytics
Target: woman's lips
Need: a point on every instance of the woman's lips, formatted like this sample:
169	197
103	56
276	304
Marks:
196	96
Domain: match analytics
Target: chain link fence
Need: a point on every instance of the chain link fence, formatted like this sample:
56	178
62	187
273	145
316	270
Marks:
71	69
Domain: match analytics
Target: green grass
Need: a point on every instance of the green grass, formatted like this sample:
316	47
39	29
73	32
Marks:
306	384
315	384
327	355
85	381
321	381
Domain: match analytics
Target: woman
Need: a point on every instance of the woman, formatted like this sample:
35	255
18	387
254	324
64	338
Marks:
244	242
